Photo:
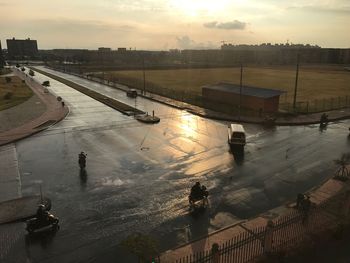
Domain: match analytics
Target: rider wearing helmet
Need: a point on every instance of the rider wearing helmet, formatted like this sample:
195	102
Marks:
82	155
41	212
82	159
196	193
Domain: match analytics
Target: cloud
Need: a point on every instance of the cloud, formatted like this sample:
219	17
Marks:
81	26
344	10
233	25
185	42
69	33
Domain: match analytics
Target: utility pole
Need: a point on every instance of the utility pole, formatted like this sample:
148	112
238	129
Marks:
296	83
144	76
240	92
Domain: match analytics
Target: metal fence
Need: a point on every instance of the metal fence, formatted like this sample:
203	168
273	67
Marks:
317	105
303	107
279	236
311	106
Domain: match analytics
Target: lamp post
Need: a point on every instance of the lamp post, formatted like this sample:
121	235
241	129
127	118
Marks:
240	92
144	76
296	83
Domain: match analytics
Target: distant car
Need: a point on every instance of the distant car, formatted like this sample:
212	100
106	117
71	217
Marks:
236	136
132	93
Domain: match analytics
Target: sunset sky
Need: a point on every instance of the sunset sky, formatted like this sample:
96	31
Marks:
166	24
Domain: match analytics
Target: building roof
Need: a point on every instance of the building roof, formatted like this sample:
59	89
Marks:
246	90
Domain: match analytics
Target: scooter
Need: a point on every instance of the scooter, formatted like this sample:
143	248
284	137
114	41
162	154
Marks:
199	203
49	222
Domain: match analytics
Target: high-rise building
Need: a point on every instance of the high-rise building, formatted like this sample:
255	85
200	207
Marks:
21	48
2	61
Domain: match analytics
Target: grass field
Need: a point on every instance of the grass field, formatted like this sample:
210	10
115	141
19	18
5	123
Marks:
20	92
314	82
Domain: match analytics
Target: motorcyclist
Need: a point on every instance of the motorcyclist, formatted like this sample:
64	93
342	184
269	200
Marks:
196	193
41	213
205	193
82	159
324	118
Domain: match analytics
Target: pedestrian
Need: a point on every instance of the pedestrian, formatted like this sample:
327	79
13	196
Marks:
306	209
215	251
300	199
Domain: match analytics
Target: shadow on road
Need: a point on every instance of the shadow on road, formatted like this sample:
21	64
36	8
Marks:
83	178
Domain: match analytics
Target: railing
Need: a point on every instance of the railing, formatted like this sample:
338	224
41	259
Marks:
279	236
318	105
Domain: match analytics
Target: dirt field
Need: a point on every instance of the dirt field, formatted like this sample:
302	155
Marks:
315	82
20	92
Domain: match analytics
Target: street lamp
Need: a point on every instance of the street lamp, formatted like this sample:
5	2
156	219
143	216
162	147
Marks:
144	76
240	92
296	83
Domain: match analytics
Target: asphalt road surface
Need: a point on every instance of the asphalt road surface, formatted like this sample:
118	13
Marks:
138	176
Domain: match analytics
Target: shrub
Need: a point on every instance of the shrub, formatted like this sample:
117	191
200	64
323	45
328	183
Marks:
8	95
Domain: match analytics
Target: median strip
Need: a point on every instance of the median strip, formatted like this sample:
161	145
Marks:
113	103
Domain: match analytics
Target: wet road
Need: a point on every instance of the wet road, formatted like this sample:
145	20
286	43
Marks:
138	176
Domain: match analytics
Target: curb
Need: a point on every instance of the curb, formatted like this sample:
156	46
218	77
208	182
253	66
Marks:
35	132
33	129
108	101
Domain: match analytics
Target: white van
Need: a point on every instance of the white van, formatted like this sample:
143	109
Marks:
236	135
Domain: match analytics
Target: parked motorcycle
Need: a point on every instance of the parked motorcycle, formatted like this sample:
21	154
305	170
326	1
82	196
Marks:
47	222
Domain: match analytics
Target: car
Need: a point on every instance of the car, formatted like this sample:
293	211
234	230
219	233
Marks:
236	136
132	93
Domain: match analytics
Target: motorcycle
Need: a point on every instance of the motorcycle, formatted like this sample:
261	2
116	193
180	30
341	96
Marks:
324	120
199	203
48	222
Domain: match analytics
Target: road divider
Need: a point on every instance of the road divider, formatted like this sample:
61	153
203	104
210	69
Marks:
111	102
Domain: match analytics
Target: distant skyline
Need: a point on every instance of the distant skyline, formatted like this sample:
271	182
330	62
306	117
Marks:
168	24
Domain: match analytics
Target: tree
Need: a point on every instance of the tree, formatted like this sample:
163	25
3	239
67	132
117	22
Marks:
31	73
343	173
142	246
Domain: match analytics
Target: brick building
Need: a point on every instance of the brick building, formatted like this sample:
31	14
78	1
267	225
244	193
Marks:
252	98
2	61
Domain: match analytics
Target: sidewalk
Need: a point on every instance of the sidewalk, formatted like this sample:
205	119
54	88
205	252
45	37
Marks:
301	119
322	193
54	113
10	179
